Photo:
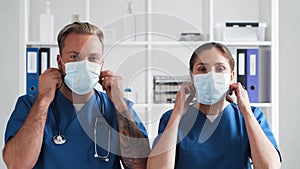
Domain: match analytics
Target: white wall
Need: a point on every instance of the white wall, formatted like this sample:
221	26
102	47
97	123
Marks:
289	83
9	64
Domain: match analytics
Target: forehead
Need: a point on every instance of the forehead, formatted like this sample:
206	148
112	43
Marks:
82	43
211	56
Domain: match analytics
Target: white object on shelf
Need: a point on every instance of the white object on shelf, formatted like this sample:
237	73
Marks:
47	24
130	95
109	35
240	31
129	23
75	18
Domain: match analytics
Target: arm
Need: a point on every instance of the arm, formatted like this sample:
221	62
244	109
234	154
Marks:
133	144
263	153
164	152
22	150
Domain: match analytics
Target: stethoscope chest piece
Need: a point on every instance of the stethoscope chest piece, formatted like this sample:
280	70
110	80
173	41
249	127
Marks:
106	159
59	139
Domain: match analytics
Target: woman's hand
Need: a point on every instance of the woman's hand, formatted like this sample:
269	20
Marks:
242	97
183	98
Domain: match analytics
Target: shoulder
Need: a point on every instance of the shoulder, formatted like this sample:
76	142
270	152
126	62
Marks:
106	100
166	116
24	102
257	111
27	98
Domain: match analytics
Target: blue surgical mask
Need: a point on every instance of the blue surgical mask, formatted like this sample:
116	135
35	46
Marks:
82	76
211	87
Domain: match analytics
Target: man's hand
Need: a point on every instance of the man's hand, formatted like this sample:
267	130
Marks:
49	81
112	84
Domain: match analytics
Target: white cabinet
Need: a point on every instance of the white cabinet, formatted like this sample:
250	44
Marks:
142	40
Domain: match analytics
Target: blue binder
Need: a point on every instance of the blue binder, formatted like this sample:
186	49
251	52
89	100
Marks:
252	79
44	62
32	70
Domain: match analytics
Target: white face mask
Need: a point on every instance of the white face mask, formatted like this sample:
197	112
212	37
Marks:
211	87
81	77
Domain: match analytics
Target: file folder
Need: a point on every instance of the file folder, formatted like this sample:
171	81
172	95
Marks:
252	81
241	66
44	59
54	51
32	70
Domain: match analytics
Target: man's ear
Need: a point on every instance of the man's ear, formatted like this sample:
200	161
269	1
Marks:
59	63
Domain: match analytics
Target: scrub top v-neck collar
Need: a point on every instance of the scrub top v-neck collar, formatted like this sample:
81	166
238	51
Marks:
65	115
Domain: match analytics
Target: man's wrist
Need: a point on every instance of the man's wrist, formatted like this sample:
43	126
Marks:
121	106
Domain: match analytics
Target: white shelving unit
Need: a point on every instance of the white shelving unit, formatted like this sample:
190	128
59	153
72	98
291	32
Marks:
156	50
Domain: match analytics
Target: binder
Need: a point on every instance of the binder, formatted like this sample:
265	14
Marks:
241	66
54	51
44	59
32	70
252	79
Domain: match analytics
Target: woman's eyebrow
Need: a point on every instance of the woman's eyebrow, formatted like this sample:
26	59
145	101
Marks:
219	63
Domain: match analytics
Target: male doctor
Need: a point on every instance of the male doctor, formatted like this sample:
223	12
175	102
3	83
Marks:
69	124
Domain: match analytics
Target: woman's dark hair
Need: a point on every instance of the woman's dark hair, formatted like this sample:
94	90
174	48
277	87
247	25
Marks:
213	45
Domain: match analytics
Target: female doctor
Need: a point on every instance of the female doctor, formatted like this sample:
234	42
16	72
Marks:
213	132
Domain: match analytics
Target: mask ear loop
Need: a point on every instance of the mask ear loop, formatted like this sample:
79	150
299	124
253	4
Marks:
61	60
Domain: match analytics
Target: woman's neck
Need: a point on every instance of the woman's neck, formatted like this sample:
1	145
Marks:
73	97
212	109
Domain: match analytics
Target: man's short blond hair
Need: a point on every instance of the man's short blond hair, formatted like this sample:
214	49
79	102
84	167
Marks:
84	28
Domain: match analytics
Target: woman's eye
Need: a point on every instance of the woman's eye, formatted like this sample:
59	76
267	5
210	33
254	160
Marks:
93	59
220	69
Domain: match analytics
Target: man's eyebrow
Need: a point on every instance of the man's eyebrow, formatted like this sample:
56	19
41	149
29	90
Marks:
201	63
73	52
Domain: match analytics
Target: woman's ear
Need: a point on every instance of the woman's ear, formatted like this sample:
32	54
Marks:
232	77
192	78
102	62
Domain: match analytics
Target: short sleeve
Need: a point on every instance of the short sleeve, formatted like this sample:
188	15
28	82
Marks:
136	118
18	116
110	108
260	117
162	125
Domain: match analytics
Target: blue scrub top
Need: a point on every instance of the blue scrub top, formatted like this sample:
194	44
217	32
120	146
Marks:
221	144
77	127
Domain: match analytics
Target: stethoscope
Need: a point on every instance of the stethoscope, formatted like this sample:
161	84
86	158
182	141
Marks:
59	139
96	155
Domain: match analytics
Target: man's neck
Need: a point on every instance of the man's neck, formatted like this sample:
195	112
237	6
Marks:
73	97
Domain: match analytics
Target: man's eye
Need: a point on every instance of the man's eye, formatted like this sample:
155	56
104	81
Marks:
202	69
75	57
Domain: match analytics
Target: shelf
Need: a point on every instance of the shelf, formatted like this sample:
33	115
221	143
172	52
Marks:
163	43
191	43
145	105
158	51
41	44
257	43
